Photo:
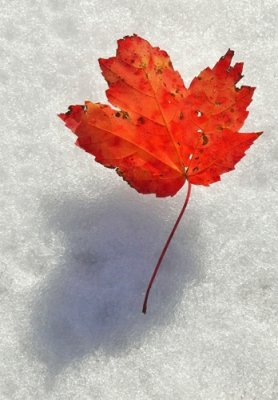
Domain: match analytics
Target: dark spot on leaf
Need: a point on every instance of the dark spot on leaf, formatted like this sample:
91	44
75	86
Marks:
117	114
170	64
199	78
195	169
141	120
159	70
205	139
181	115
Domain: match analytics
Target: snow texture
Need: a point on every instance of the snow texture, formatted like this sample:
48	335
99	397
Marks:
78	244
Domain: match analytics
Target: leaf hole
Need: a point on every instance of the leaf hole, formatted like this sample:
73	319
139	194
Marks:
125	115
199	113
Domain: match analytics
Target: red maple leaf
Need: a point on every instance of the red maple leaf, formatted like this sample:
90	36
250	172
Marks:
163	134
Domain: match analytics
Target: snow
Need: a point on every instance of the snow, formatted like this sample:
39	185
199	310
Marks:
78	244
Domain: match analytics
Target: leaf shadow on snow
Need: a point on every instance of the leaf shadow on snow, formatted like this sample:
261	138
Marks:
92	300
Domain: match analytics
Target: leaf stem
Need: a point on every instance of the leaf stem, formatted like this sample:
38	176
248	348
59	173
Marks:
144	310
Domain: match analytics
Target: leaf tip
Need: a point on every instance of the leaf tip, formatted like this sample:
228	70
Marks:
62	116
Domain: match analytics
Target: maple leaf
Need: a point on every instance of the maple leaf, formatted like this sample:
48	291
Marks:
162	134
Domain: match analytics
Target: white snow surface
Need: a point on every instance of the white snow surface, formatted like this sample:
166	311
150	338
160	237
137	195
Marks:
78	245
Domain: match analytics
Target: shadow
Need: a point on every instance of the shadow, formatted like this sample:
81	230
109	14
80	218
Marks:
93	299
